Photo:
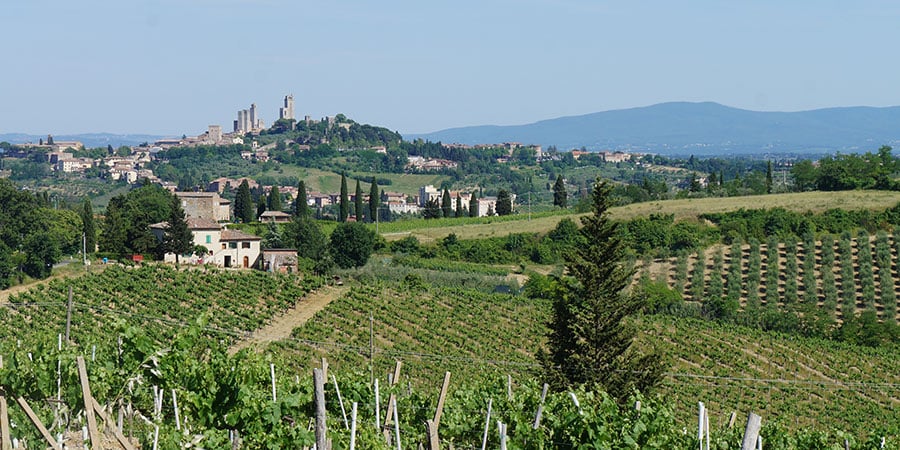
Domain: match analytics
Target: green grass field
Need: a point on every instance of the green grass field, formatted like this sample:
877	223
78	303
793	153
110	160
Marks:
327	181
684	209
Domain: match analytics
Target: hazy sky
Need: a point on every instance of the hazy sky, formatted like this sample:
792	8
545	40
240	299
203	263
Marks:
175	66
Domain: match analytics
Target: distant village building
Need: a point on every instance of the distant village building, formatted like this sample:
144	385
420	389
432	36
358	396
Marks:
275	217
615	157
427	164
429	193
283	260
205	205
578	153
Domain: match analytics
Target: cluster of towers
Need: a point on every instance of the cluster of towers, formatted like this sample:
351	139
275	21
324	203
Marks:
248	121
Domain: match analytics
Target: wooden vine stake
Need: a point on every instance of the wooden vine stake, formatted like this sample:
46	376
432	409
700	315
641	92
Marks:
116	430
487	425
540	410
391	402
37	423
751	433
340	400
319	384
88	405
431	426
5	439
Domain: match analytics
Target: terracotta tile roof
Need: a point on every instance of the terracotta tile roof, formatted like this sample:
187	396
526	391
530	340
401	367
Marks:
202	224
235	235
193	224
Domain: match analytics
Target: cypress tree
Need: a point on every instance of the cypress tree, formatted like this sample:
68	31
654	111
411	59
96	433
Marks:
768	177
177	237
358	202
504	203
589	342
301	208
243	203
260	205
446	205
459	206
374	200
560	196
274	200
473	205
88	226
345	201
114	233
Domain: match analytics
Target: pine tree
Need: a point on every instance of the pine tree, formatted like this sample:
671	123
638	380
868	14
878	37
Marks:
589	342
560	196
274	200
504	203
344	210
473	205
177	237
301	208
243	203
88	226
358	202
373	201
446	205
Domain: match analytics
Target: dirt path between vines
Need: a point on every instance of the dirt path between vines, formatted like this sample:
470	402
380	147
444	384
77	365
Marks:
281	326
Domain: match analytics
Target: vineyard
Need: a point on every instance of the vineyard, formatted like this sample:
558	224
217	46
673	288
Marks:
800	381
158	297
153	333
839	276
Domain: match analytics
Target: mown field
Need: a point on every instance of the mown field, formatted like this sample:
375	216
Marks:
683	209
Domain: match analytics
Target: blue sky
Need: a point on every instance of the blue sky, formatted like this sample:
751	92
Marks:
175	66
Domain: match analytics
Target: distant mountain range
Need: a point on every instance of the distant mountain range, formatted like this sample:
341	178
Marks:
677	128
682	128
90	140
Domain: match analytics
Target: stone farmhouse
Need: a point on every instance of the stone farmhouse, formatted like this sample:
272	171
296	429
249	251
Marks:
223	247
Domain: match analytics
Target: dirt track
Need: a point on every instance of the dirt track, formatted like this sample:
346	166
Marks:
281	326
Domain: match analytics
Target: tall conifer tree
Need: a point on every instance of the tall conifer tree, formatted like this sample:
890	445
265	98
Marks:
274	200
358	202
177	237
345	200
446	205
589	341
560	196
301	208
243	203
88	226
374	200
